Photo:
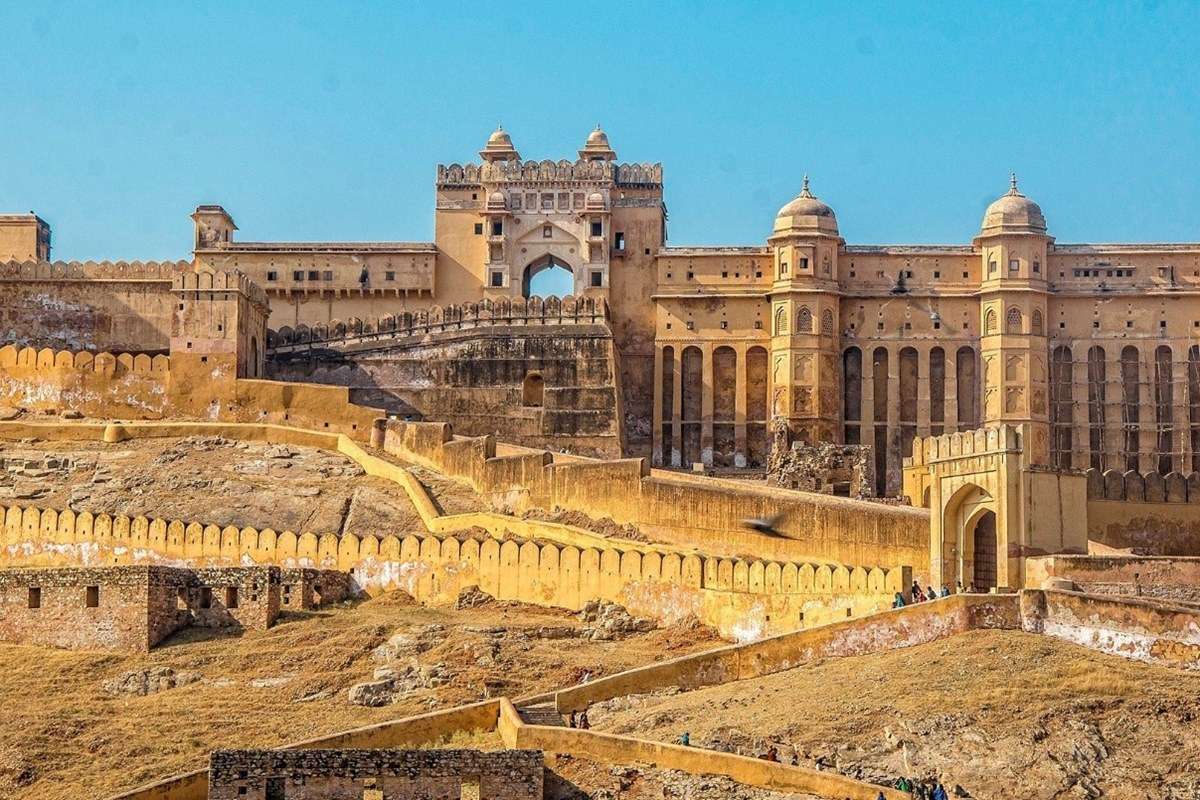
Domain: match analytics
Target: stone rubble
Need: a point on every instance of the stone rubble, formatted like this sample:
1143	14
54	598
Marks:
606	621
142	682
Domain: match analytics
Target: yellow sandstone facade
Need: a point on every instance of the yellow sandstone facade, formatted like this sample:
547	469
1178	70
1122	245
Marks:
1088	355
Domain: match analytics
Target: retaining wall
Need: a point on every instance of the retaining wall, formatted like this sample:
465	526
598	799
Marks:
706	513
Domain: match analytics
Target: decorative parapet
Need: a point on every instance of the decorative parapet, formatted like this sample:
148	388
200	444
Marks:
108	363
549	172
92	270
1136	487
488	313
1003	438
221	281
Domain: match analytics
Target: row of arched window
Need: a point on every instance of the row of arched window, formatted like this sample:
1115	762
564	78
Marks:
804	321
1122	398
1013	322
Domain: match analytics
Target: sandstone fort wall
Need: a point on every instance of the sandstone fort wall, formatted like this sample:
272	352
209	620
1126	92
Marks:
705	513
395	774
88	305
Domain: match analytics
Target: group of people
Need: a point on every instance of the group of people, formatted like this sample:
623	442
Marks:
921	790
918	595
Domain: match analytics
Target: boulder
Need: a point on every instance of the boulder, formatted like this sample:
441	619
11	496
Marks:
372	693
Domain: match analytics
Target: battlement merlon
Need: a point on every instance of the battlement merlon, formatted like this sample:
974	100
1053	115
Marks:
221	281
547	172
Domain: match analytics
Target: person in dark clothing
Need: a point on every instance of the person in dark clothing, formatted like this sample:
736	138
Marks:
772	754
939	792
583	721
915	592
898	601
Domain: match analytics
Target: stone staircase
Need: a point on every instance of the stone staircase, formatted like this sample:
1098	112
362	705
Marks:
543	714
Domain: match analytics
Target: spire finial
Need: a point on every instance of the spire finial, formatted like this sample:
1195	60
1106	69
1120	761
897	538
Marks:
804	192
1012	183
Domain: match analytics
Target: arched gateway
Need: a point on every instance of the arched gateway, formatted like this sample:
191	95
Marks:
554	278
982	495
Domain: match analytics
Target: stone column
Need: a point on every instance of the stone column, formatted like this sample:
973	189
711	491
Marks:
656	452
924	387
893	420
950	424
677	409
1147	413
1081	442
740	402
706	405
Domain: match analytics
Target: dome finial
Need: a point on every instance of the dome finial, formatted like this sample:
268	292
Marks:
1012	183
804	192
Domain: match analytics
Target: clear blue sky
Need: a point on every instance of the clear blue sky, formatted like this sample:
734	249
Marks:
326	120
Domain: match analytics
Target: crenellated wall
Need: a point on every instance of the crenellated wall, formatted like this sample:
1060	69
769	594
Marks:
88	305
742	598
690	511
97	384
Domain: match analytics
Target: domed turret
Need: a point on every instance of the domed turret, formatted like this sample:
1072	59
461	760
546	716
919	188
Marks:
806	214
1013	213
597	147
595	202
499	147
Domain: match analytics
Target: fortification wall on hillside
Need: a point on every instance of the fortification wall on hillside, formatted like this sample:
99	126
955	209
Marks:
699	512
1174	579
144	387
88	305
742	598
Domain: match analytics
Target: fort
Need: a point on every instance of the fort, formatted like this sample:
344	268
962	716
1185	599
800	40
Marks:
812	450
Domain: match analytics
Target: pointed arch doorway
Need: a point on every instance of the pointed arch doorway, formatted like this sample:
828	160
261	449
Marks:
547	276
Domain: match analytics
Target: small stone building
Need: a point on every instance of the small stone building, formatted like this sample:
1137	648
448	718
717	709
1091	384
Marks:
375	775
131	608
305	588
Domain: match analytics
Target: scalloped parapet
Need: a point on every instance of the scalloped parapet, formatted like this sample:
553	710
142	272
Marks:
92	270
549	171
535	311
218	281
82	360
993	439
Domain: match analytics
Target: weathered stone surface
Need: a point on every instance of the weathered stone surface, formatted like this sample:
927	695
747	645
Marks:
149	681
604	621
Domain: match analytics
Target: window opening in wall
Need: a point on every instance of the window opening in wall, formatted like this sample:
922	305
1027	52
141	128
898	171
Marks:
313	275
478	228
92	597
231	597
327	275
691	275
691	326
547	231
1013	265
597	279
497	228
497	279
991	267
804	263
297	275
937	274
1037	266
619	241
389	276
272	275
205	597
533	390
276	788
35	597
724	324
965	275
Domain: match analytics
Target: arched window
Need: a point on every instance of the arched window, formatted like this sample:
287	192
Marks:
781	321
1012	320
989	321
1037	322
533	390
804	320
827	322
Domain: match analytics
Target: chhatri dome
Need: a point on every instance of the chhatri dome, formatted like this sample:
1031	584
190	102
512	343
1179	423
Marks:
499	147
597	147
806	214
1013	213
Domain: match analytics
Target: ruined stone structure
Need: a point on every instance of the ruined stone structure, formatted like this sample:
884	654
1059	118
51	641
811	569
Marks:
131	607
375	775
846	470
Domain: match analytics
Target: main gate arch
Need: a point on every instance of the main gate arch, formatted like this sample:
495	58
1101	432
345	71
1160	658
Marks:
539	265
981	493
